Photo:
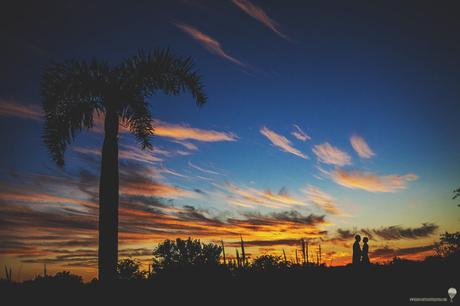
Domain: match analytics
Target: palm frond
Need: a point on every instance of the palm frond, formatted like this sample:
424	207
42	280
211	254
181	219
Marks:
138	118
71	92
159	70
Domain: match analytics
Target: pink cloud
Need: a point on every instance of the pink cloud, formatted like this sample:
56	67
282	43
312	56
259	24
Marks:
18	110
328	154
260	15
371	182
361	147
281	142
208	43
300	134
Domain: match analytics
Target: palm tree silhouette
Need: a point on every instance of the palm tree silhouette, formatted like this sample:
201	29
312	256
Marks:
74	91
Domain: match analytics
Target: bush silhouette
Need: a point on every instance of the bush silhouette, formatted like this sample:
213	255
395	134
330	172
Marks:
268	262
129	269
60	279
185	253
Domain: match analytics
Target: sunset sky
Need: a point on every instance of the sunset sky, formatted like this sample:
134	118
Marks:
324	119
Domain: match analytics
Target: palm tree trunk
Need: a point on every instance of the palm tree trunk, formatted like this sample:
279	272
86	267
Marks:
108	200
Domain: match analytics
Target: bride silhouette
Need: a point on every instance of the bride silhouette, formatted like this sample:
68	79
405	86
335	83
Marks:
365	252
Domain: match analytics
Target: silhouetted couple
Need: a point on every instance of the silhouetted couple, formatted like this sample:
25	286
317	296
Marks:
360	256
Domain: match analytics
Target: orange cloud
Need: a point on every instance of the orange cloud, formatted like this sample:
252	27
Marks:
371	182
208	43
328	154
155	189
185	132
361	147
36	197
251	197
25	111
142	179
300	134
260	15
281	142
322	199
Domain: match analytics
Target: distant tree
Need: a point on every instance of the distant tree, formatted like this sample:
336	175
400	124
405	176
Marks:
268	262
399	261
456	194
188	252
129	269
449	244
64	278
73	91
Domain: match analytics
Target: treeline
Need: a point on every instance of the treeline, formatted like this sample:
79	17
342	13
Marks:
193	256
194	272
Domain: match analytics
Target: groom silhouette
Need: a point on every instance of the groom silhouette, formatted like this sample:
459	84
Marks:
357	251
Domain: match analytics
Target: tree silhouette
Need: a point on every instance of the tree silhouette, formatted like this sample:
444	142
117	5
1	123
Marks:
268	262
62	278
456	194
181	253
129	269
73	91
449	244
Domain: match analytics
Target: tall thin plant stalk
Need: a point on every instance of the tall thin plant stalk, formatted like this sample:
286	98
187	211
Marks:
8	274
243	253
238	261
223	252
303	249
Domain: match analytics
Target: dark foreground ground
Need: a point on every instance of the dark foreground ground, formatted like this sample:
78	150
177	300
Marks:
374	285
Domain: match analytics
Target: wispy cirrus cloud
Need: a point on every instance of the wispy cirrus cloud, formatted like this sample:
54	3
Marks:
19	110
139	172
208	43
201	169
361	147
251	197
299	133
188	145
321	199
281	142
186	132
260	15
328	154
137	179
128	152
371	182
